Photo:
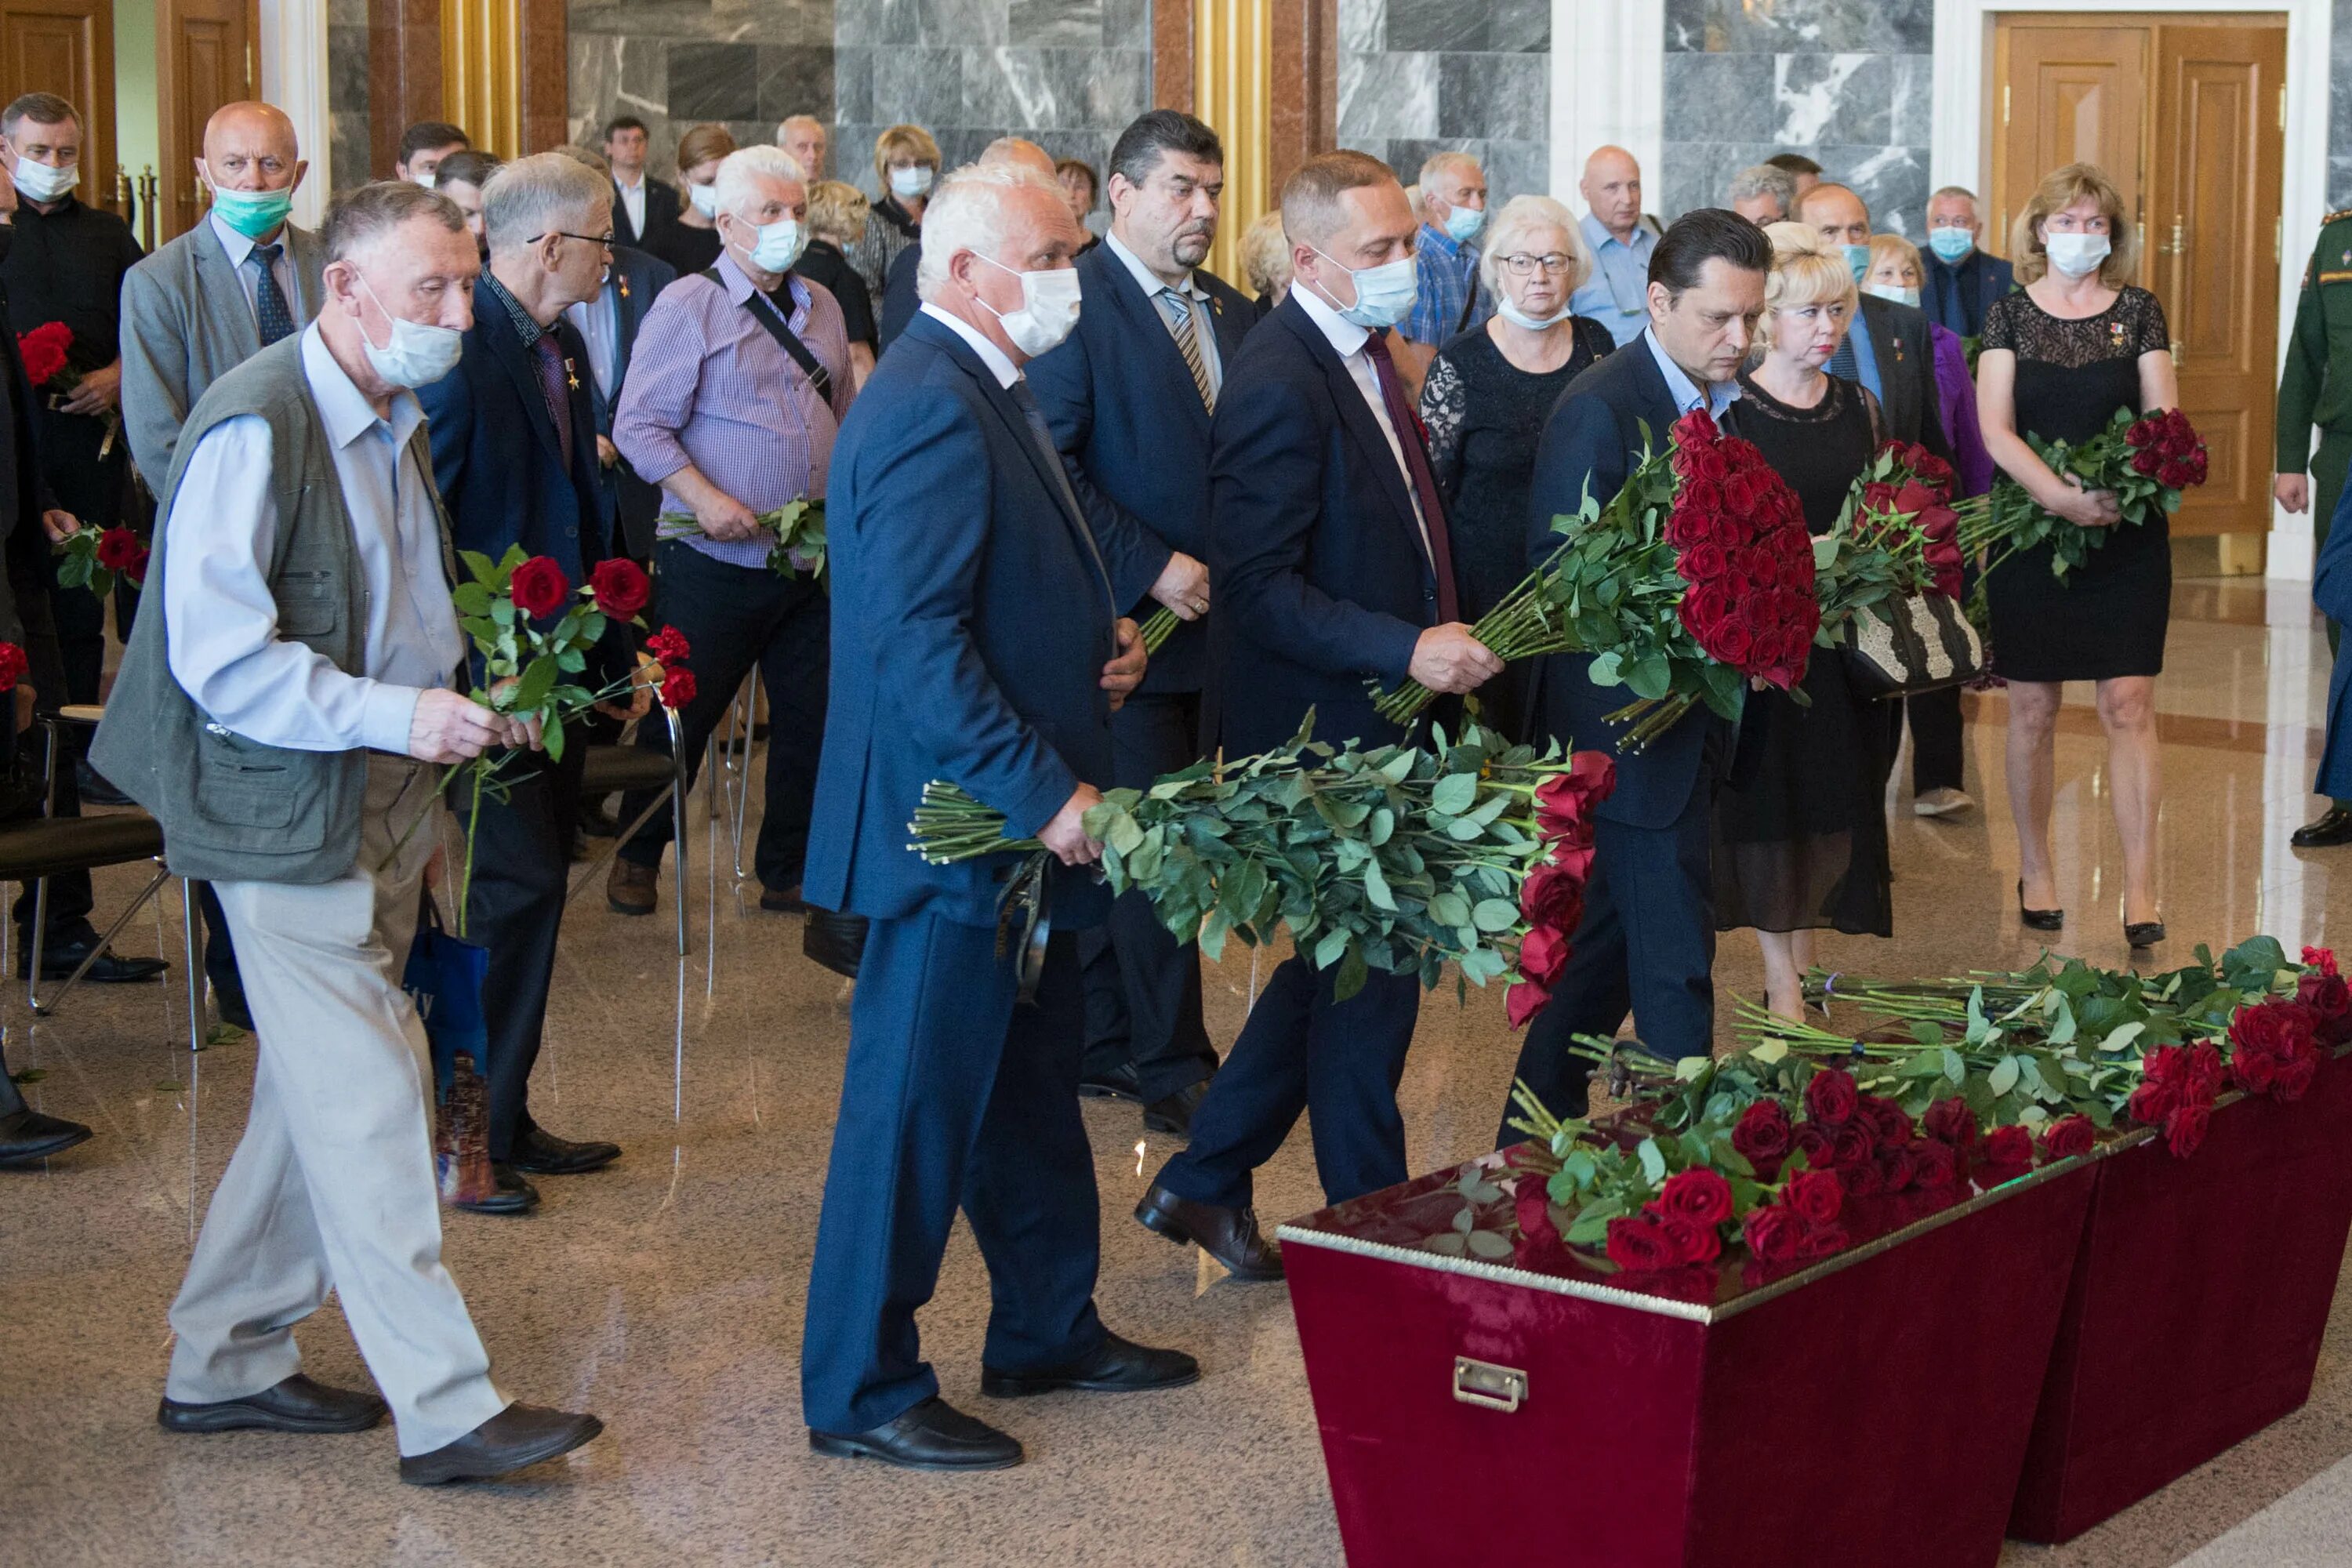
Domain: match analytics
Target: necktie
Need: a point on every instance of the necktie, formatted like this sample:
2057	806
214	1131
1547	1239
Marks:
269	309
1407	426
1185	326
555	384
1842	362
1042	434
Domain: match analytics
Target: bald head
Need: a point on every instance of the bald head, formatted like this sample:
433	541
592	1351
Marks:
1018	153
1612	188
1837	212
250	147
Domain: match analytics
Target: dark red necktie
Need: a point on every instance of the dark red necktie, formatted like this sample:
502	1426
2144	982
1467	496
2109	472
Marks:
555	385
1407	426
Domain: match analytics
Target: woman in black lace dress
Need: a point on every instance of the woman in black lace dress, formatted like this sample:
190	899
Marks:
1485	401
1800	844
2060	356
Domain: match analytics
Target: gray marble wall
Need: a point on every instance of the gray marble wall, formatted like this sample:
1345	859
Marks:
1475	76
675	64
1846	82
347	92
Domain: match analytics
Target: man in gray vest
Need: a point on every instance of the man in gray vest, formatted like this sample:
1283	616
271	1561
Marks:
211	300
285	713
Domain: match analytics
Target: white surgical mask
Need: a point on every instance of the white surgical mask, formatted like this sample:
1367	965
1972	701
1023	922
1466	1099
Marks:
704	199
1384	294
1049	307
1895	291
425	178
44	182
779	246
1509	311
2075	254
1951	244
907	184
418	354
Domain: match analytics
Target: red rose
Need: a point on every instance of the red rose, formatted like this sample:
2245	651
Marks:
1878	496
2008	1146
538	586
2174	476
1814	1196
1523	1001
1543	953
1552	896
677	688
137	570
1706	606
1813	1141
621	586
1699	496
1638	1243
1830	1097
2178	443
2323	959
2278	1028
1686	528
2068	1137
117	548
13	665
2204	1069
44	351
1700	1195
669	645
1730	643
1774	1235
1896	1168
2184	1129
2151	1102
1741	494
1762	1133
1951	1121
2294	1077
1888	1123
2142	433
1534	1212
1703	564
2146	461
1861	1180
1693	1241
1823	1241
1939	1164
1852	1145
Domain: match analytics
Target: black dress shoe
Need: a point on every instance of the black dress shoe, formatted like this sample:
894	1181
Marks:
59	959
512	1196
933	1436
297	1404
2038	920
1116	1366
2143	933
1228	1235
94	788
2328	829
783	901
539	1152
1118	1083
27	1136
597	821
1173	1113
516	1439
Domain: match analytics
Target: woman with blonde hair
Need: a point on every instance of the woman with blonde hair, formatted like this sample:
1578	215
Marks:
1266	262
2076	342
1799	845
905	163
1484	402
691	243
837	220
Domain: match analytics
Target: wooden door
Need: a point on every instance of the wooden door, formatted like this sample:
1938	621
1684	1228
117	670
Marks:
2064	95
2212	250
204	57
67	46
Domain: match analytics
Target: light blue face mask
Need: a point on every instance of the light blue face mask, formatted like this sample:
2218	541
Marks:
1384	294
1895	291
1857	256
1463	224
1950	245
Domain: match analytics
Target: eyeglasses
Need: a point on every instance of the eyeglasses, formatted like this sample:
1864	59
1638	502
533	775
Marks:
1522	265
604	239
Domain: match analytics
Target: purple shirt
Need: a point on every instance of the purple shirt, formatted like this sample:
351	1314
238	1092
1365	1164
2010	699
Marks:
709	385
1956	396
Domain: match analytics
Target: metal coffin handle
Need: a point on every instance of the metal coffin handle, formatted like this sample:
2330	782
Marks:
1489	1387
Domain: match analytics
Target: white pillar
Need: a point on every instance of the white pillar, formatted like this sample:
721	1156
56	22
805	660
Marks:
293	49
1608	85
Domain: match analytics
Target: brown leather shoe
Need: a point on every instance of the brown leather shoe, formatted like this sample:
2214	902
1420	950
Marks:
629	888
1228	1235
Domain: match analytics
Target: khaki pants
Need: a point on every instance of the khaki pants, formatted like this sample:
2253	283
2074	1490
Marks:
332	1185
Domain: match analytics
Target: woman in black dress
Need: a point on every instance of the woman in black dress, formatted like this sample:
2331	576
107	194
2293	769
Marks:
2059	357
1485	401
1800	844
836	219
691	244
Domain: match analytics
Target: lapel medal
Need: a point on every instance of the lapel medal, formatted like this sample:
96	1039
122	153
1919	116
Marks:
570	375
622	281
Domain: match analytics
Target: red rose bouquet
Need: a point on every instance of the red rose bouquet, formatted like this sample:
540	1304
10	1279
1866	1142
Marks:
93	558
2146	459
45	350
1900	534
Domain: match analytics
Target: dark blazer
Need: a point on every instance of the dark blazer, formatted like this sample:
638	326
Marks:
900	302
1322	583
1906	373
661	211
637	280
972	618
1126	414
1957	296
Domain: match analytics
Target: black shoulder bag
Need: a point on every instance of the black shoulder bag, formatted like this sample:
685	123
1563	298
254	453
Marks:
786	339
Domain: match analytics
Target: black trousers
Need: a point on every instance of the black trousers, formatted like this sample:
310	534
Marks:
1143	986
515	907
70	900
737	618
92	488
1938	751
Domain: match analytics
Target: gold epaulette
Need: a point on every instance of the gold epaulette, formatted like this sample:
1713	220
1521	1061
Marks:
2336	217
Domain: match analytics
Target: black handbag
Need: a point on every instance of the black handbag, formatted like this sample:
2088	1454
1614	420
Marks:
1905	647
836	940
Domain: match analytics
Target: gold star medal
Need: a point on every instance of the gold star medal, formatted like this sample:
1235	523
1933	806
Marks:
570	375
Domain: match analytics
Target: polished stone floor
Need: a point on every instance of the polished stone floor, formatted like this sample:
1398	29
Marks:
665	1293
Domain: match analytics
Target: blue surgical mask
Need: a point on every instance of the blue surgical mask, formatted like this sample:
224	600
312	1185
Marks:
779	246
1893	291
1950	245
1857	256
906	183
1384	294
1463	224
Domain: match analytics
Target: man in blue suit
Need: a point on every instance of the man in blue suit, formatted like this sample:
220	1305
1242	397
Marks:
514	452
1962	280
1328	544
1646	942
1129	395
977	639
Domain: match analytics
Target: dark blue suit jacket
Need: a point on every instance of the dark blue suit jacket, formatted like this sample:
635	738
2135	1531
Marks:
972	618
637	279
1957	296
2331	591
1128	415
1321	579
1593	440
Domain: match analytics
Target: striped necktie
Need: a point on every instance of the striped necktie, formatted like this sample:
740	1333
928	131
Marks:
1185	326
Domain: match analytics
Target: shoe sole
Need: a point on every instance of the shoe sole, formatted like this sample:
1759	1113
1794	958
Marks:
619	908
1933	812
417	1474
850	1449
25	1158
1096	1091
241	1419
559	1170
1174	1230
996	1386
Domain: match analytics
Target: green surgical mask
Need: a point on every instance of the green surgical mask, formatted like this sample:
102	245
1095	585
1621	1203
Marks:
253	213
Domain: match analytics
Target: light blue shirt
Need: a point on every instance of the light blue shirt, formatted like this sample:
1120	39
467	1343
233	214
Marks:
239	251
1196	298
1717	396
599	321
226	648
1866	354
1617	295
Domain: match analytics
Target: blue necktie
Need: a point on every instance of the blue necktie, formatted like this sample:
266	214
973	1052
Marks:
269	307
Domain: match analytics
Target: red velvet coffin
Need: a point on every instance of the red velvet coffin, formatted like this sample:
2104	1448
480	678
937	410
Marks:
2200	1294
1870	1408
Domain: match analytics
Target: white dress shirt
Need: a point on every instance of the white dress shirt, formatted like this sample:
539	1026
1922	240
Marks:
226	648
633	197
1000	364
1195	297
1347	341
599	322
239	249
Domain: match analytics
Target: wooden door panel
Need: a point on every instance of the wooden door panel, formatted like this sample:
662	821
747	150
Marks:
205	57
67	46
2066	95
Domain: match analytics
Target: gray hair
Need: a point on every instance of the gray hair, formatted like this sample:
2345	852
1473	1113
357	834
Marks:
1521	215
1765	180
537	195
1438	163
788	120
741	172
577	154
40	108
1962	192
357	218
967	212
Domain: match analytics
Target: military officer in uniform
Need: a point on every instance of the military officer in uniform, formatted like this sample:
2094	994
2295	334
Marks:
2315	389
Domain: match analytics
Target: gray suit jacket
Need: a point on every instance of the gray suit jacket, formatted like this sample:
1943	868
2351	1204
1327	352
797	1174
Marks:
185	324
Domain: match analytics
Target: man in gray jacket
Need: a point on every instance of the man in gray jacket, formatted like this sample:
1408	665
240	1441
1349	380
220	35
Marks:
284	711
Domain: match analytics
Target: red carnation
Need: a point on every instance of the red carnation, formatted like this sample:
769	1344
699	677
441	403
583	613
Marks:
44	351
1774	1235
1830	1097
621	587
677	688
117	548
13	665
2008	1146
1814	1195
1700	1195
2184	1129
1523	1001
1637	1243
1762	1133
2323	959
538	586
1543	953
2068	1137
669	645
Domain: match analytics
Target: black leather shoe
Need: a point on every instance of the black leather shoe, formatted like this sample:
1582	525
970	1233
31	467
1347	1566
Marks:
27	1136
539	1152
1116	1366
94	788
2328	829
783	901
1173	1113
933	1436
516	1439
597	821
2143	933
1228	1235
297	1404
2038	920
1118	1083
59	960
513	1194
